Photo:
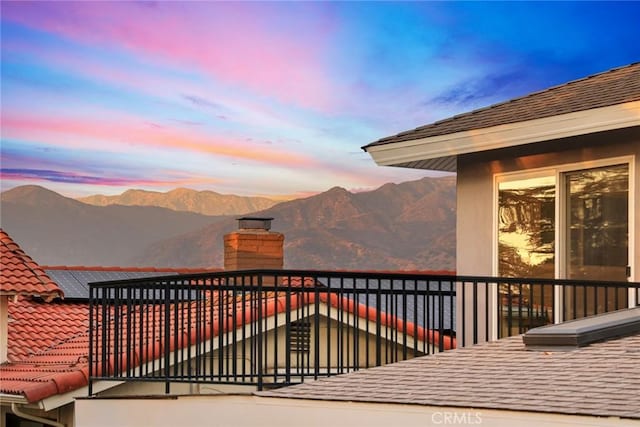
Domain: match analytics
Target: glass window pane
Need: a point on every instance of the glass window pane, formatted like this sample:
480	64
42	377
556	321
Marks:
526	228
526	248
597	205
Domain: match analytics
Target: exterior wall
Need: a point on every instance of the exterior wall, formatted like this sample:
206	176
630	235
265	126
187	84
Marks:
475	192
157	389
4	321
229	411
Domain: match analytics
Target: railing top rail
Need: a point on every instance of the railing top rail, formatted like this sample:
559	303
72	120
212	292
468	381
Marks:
545	281
371	275
379	275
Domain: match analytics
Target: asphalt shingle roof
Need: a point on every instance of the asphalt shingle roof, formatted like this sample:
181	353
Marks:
616	86
602	379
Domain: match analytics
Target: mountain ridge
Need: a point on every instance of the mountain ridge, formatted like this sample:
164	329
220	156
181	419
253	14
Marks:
204	202
55	229
338	229
406	226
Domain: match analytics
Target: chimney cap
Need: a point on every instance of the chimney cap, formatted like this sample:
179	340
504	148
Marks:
254	223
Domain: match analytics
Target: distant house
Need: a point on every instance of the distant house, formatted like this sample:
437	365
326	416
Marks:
48	343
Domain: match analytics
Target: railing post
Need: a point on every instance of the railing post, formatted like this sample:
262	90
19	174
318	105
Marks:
316	328
116	331
91	349
633	297
440	317
259	333
167	339
378	327
287	338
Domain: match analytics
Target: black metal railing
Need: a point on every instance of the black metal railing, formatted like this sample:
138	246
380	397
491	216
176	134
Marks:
270	328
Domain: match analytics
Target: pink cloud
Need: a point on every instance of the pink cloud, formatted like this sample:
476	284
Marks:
123	133
242	44
245	111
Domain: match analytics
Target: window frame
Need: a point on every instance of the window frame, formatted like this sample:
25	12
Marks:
559	172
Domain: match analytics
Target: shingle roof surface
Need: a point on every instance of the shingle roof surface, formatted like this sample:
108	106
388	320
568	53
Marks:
20	275
616	86
602	379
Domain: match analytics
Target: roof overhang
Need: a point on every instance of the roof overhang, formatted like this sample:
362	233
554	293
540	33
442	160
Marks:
441	152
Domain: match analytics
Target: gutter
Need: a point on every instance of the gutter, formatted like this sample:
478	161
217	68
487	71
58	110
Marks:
15	408
12	398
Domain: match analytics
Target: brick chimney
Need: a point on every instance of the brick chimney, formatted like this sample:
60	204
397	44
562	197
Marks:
253	246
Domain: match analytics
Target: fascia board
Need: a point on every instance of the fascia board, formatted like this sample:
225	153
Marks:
510	135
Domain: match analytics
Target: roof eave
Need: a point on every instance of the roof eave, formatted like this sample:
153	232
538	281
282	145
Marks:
439	152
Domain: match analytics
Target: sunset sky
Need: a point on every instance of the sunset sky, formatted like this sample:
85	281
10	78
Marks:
269	98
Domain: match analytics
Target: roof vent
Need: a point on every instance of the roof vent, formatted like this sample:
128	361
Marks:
254	223
581	332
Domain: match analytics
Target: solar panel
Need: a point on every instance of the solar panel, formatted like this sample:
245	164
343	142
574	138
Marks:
70	285
75	283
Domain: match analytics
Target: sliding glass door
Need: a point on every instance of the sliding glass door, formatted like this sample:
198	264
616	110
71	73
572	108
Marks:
526	248
597	239
569	223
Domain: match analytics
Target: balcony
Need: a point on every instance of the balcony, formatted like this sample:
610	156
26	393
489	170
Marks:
272	328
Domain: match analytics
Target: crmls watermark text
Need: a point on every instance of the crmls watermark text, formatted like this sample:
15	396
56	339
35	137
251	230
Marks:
455	418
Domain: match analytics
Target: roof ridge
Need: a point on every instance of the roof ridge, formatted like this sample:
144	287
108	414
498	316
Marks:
549	89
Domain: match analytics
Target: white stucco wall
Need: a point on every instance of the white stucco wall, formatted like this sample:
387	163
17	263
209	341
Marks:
230	411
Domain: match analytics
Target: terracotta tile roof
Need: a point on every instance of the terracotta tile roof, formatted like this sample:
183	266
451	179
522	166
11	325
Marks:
602	379
59	368
58	361
35	327
616	86
20	275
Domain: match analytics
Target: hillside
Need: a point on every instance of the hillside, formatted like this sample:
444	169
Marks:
55	229
404	226
185	200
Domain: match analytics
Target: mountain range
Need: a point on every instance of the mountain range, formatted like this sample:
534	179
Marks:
407	226
185	200
57	230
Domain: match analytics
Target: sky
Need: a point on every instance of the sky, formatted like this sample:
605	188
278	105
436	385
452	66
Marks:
269	98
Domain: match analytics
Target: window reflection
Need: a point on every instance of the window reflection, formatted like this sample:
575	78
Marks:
598	236
526	228
526	248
